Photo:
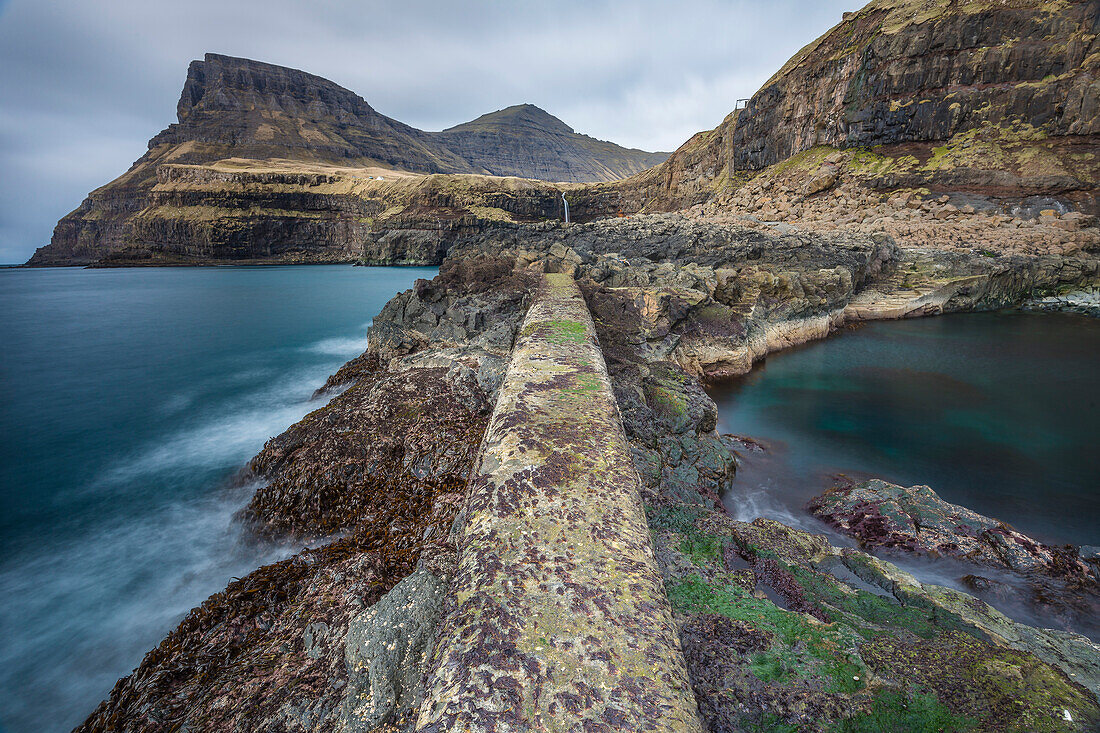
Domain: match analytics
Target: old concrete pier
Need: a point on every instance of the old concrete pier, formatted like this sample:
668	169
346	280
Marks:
557	618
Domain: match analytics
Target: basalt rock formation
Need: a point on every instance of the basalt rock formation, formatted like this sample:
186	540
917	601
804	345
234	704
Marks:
905	102
904	77
913	70
234	107
301	131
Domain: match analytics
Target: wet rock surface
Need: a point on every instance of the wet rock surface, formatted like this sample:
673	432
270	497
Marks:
268	653
336	637
777	627
1062	582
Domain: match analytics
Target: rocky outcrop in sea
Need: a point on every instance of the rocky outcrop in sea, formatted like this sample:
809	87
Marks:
1060	583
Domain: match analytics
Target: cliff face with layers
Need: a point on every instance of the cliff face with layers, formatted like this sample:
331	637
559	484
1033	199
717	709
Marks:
991	104
233	107
256	110
237	110
917	70
903	77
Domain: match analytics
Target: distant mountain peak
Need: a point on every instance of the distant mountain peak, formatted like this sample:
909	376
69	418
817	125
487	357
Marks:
527	141
518	115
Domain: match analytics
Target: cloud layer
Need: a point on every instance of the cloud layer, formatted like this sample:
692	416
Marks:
86	84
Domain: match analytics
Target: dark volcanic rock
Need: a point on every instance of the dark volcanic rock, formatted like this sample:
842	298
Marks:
903	70
233	107
337	636
283	648
916	519
258	110
908	73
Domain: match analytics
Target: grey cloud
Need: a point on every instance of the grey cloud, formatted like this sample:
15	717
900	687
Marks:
83	84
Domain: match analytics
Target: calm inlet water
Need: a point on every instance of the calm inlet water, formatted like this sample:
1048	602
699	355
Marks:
129	400
995	411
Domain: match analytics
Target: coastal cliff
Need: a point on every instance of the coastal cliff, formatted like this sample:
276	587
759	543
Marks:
912	70
240	113
871	126
905	72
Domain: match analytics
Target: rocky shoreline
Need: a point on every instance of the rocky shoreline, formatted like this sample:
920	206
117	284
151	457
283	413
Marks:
917	159
1061	582
779	627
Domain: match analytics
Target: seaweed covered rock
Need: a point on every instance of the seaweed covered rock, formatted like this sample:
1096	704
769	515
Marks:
282	648
337	636
915	520
783	631
334	468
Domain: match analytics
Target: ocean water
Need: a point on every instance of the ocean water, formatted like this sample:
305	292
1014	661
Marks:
129	400
995	411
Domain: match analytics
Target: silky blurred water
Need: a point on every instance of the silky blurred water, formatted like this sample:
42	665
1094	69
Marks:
128	401
995	411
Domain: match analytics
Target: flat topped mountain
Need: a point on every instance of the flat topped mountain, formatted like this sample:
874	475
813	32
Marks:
530	142
233	107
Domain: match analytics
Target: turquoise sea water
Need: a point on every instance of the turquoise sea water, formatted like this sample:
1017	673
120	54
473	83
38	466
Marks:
995	411
129	399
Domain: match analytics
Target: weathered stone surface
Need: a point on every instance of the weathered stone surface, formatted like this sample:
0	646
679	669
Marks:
327	472
387	650
916	519
269	652
902	70
333	638
556	618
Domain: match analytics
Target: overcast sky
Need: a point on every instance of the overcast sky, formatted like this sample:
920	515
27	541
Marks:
84	85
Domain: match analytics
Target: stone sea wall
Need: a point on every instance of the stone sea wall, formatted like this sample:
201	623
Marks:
556	617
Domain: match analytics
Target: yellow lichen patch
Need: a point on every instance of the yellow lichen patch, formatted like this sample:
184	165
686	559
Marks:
490	213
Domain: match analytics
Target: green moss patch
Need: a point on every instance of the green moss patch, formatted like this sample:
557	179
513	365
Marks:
802	647
911	712
557	332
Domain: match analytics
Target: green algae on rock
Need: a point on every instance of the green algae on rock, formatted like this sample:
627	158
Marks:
781	629
1056	580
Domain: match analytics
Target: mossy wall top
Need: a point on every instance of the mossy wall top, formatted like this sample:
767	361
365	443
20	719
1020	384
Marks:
557	618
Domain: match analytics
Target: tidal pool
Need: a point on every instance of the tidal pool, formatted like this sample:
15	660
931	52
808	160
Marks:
995	411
